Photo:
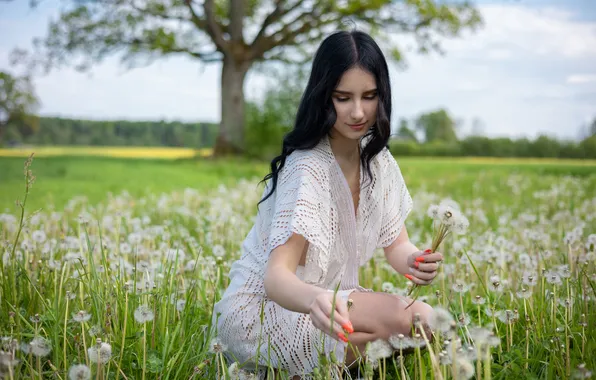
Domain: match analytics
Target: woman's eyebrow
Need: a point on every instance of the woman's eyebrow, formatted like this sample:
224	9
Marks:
350	93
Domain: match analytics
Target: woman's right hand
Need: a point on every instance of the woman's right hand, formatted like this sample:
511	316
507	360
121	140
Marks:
320	314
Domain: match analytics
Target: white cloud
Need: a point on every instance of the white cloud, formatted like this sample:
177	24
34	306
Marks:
581	78
514	74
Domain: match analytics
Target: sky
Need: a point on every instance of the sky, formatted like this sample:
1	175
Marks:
530	70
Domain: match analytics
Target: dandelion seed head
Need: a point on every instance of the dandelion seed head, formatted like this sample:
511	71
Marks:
100	353
217	347
508	316
143	314
40	346
465	368
553	278
399	341
378	349
79	372
440	320
81	316
524	293
460	287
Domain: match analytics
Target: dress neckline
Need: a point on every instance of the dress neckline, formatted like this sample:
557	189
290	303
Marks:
354	212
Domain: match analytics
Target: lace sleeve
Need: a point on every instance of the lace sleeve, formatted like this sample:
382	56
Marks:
397	202
300	208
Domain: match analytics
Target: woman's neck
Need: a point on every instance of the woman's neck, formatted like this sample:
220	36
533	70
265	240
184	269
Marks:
346	151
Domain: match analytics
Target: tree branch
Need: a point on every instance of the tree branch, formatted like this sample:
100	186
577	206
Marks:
196	20
274	17
213	28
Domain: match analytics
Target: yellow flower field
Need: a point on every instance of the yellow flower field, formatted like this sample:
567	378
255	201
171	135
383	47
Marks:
107	151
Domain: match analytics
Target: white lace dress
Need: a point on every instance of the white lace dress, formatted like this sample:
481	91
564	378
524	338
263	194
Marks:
312	199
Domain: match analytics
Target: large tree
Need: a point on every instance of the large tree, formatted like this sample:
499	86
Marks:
238	33
437	125
18	104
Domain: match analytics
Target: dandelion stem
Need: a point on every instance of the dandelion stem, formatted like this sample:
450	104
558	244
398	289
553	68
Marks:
433	358
39	367
554	321
64	342
123	330
487	368
527	346
144	348
84	343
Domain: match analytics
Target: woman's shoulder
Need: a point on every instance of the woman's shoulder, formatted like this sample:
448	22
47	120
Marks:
307	162
386	161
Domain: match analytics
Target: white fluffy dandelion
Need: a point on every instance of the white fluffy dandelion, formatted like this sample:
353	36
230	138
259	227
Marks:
460	287
40	346
38	236
81	316
100	353
79	372
508	316
529	278
378	349
143	314
440	320
400	342
553	278
216	346
465	368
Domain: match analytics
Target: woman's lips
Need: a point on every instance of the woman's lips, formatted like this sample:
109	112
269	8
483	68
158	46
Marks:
357	126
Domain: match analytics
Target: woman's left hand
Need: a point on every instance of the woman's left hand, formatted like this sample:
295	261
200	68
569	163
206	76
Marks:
423	266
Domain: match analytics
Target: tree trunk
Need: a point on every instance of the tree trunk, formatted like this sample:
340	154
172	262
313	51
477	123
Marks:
230	140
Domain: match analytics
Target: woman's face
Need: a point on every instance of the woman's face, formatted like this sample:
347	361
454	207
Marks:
355	100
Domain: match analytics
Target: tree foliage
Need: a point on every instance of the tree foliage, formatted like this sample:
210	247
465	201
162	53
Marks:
18	103
404	132
59	131
239	33
437	125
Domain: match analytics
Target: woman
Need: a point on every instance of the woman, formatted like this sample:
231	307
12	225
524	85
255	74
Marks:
334	195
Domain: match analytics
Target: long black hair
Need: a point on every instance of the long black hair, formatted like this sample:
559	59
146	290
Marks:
338	53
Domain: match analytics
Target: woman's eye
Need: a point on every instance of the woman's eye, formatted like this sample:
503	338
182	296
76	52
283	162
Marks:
342	99
371	97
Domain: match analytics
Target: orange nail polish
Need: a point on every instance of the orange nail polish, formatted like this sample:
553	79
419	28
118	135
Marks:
428	251
342	337
416	264
408	276
349	328
420	259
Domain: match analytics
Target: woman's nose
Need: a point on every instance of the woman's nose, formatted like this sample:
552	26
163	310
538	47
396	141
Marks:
357	113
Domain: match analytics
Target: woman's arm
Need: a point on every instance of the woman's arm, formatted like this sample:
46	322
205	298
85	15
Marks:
418	266
284	288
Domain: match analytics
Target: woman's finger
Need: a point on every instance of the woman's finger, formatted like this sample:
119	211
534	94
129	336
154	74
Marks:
417	280
430	258
423	275
324	324
428	267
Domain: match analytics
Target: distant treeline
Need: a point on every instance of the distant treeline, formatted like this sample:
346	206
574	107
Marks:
267	140
542	146
59	131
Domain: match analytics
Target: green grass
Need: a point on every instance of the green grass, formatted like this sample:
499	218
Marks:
61	178
82	258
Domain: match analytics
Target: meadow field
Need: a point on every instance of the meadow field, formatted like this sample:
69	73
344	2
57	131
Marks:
112	268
